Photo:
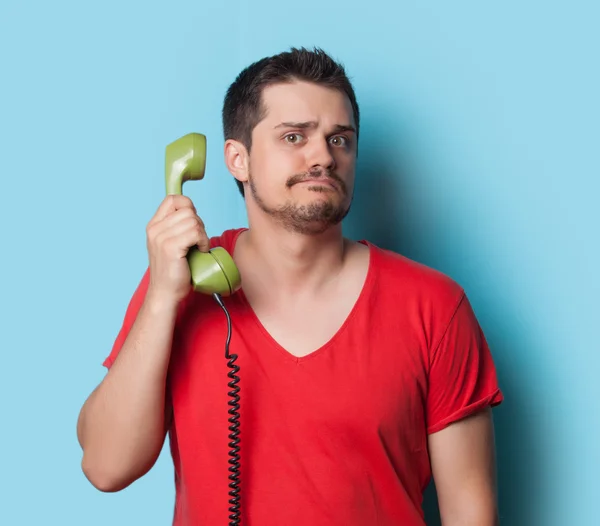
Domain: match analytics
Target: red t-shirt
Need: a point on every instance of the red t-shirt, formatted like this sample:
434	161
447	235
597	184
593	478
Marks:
338	437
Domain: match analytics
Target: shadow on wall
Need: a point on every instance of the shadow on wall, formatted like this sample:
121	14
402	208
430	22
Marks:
393	208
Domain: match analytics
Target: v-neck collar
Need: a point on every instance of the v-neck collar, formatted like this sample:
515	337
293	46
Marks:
367	284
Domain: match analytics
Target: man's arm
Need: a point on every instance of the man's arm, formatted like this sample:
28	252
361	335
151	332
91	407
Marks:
122	425
464	471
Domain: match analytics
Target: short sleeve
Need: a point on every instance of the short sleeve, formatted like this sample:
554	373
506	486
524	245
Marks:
462	373
135	303
226	240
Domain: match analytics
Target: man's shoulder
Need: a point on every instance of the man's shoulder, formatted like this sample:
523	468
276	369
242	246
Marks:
227	238
398	273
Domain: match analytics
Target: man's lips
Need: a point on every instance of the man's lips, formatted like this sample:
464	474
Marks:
320	181
324	179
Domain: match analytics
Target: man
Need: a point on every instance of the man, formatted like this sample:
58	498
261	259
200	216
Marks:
362	373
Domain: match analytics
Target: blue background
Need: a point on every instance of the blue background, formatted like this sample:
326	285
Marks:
479	157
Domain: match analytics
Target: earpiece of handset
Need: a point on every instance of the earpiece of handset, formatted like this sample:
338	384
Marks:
214	271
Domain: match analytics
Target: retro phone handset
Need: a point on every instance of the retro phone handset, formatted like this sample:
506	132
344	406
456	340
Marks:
213	272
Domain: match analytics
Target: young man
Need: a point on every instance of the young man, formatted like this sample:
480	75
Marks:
362	373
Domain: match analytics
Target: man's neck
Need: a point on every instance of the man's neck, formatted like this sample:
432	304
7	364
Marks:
290	262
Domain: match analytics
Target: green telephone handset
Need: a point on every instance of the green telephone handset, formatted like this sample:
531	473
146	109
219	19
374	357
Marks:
214	271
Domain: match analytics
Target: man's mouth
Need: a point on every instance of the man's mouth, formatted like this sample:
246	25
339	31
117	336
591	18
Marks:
323	180
320	182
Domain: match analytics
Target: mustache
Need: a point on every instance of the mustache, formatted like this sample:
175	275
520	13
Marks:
318	173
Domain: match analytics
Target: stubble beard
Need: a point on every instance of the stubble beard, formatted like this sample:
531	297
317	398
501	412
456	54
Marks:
309	219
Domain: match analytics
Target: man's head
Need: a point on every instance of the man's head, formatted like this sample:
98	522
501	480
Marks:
291	125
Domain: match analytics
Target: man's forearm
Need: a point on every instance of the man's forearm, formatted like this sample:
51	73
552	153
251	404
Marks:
473	520
121	427
464	469
474	508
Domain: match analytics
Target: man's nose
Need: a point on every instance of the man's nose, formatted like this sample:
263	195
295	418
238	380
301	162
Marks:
320	155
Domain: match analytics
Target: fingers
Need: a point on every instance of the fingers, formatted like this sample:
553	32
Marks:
176	221
171	204
176	217
177	245
187	229
174	228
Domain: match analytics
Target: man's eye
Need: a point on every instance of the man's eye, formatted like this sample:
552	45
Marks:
339	140
293	138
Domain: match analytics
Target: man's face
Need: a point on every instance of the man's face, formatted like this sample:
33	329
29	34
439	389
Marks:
303	156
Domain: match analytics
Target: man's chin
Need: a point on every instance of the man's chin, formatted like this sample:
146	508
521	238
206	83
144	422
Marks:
312	211
325	198
313	219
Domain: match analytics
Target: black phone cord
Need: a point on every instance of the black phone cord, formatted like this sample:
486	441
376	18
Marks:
234	452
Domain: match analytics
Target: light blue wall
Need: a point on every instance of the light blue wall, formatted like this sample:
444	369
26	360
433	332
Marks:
479	157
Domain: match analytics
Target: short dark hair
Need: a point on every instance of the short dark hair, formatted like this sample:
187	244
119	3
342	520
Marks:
243	108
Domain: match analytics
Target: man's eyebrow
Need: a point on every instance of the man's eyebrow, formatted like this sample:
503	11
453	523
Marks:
344	127
312	124
303	125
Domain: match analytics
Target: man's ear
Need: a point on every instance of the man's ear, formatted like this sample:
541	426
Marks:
237	159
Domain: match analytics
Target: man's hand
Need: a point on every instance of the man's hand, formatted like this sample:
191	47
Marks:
463	465
174	228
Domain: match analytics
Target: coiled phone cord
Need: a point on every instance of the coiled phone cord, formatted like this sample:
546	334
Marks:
234	452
